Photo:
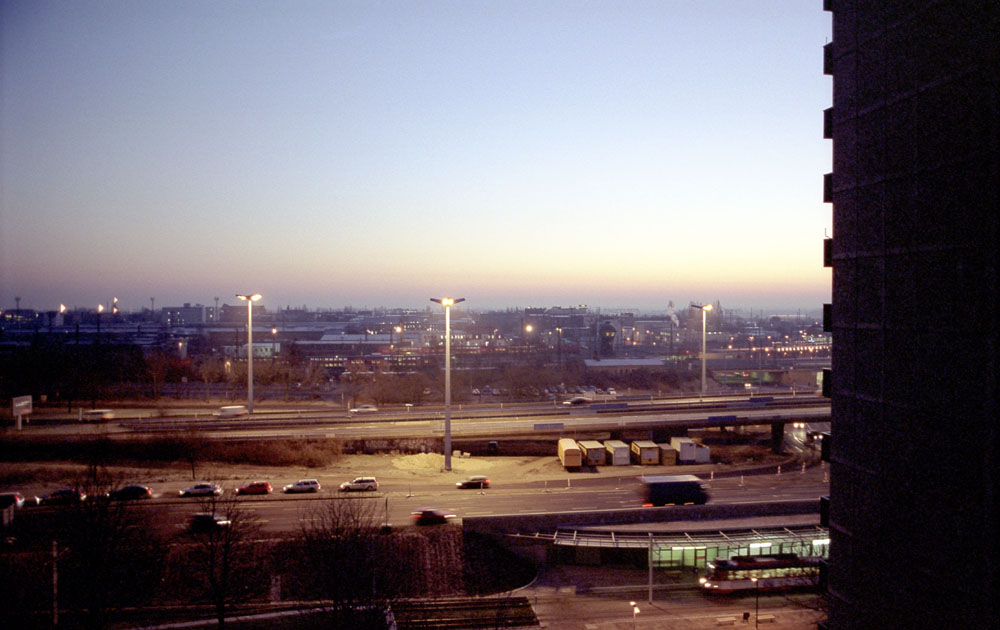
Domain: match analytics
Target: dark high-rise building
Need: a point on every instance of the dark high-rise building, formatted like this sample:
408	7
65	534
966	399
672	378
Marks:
915	201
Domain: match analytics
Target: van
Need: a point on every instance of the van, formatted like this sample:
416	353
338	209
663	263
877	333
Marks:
233	411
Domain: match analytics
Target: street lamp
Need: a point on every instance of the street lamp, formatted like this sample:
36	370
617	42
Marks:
249	299
559	348
705	308
447	303
635	611
756	616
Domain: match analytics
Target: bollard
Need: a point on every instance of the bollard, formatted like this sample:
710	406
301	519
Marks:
803	467
779	470
741	481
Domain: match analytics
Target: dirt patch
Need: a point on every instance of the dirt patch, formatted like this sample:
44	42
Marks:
434	463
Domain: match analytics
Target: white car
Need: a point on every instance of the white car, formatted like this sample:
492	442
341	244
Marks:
202	490
359	484
365	409
303	485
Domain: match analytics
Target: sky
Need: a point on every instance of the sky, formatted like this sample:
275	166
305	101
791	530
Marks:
619	154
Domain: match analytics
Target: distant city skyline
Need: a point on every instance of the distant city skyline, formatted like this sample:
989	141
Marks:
342	153
804	310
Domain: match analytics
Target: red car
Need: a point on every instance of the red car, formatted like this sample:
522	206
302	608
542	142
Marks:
255	487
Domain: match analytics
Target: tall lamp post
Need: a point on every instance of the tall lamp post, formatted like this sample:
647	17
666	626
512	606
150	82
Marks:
447	303
756	616
704	308
249	299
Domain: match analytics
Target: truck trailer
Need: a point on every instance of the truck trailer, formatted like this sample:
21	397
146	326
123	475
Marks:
617	452
593	453
569	453
645	453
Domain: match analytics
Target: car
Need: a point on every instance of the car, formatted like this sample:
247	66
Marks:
365	409
8	499
303	485
612	391
98	414
430	516
203	489
233	411
475	481
255	487
62	496
205	522
130	493
576	400
359	484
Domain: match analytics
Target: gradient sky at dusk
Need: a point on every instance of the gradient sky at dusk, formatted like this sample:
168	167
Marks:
617	154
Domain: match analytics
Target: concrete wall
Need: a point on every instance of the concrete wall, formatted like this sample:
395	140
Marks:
547	523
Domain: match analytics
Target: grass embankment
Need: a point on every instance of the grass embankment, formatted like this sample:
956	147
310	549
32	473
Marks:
159	451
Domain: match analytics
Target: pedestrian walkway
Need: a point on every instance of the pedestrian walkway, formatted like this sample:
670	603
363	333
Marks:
600	598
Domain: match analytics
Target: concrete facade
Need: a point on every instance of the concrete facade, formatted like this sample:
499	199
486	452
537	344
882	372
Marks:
915	200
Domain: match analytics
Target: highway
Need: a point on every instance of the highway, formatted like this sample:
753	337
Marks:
518	420
280	512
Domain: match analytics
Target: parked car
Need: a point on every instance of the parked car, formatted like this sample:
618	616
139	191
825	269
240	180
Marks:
131	493
255	487
205	522
303	485
475	481
8	499
430	516
359	484
62	496
365	409
202	490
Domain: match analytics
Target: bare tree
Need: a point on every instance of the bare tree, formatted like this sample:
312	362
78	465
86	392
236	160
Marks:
111	553
226	554
351	563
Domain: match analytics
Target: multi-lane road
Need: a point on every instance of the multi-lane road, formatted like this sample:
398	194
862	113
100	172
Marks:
566	492
509	420
279	512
